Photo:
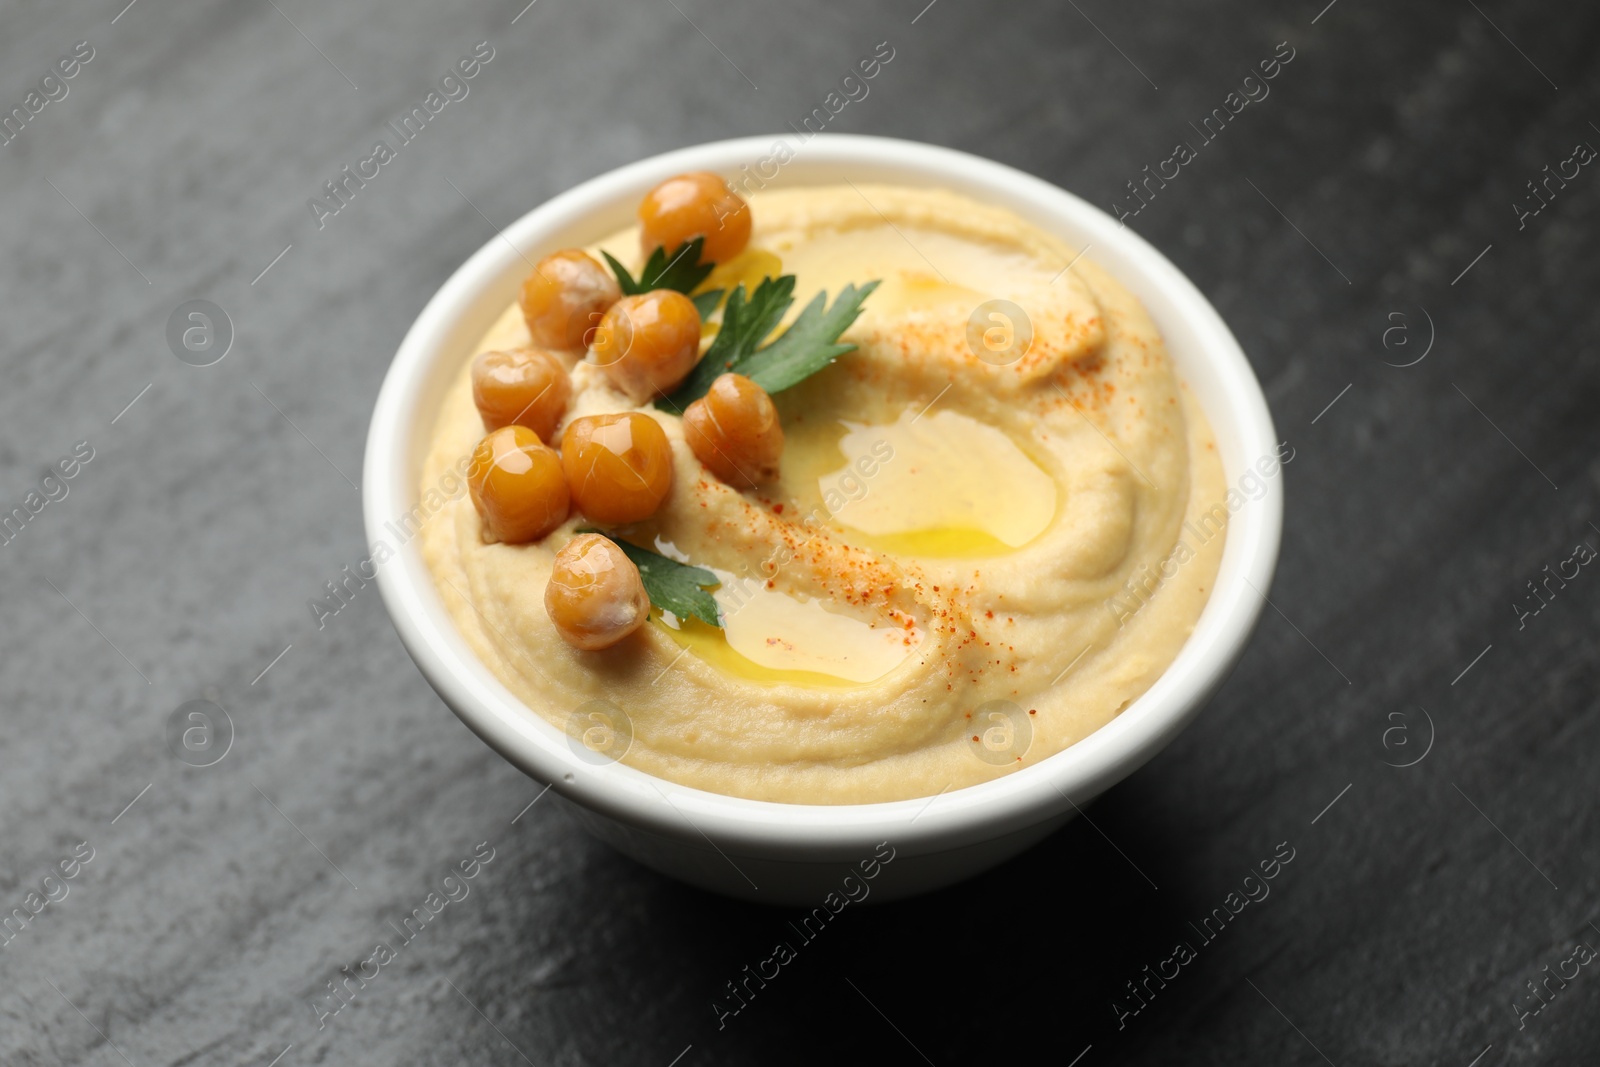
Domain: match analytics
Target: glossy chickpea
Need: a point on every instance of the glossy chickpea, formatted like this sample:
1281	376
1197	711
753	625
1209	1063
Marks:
525	386
595	597
647	344
564	299
693	205
734	431
518	486
619	467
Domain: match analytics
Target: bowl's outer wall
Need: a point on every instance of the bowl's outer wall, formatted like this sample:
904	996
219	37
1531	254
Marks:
804	883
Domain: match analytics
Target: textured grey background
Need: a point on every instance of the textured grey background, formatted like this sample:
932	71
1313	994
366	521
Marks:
1419	505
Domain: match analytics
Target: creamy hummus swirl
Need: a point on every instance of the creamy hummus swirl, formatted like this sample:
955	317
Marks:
1067	474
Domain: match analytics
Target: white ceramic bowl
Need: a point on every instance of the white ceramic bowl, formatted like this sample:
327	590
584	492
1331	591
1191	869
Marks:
792	853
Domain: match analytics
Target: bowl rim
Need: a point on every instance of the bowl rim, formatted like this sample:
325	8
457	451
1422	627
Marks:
948	820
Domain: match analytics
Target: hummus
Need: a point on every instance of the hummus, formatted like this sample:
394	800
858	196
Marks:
976	552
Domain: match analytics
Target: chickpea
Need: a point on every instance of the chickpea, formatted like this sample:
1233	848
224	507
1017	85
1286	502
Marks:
526	386
693	205
564	297
734	431
595	597
619	466
517	486
647	344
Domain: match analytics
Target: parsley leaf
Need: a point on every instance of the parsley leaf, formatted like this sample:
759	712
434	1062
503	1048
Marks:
809	344
745	324
672	586
707	302
682	272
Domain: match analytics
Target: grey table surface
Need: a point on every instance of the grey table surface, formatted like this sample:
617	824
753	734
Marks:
1362	210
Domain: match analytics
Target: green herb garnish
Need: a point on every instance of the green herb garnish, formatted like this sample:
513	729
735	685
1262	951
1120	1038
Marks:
706	303
810	343
682	272
744	325
672	586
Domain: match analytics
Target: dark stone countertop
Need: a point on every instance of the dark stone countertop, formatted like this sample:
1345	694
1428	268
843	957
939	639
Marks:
1372	189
